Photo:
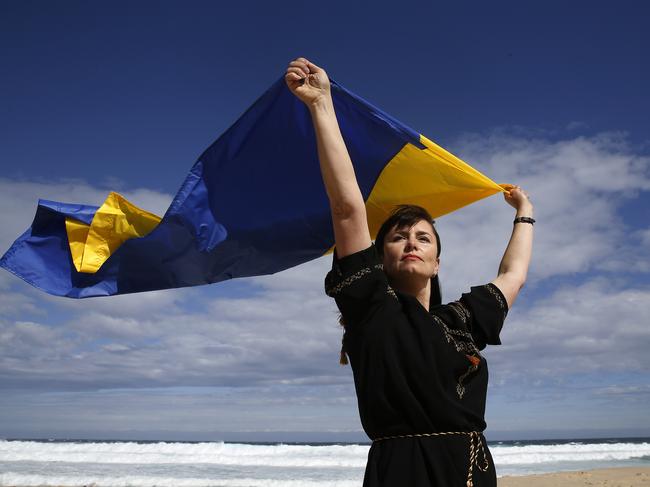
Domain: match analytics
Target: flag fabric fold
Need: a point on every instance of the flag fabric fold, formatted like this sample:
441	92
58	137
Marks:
252	204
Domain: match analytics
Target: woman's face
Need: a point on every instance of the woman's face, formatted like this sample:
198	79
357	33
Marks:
411	252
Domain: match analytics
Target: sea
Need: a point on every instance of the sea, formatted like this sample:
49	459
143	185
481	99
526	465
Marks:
222	464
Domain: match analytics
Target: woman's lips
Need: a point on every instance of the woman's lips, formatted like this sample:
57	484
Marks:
411	257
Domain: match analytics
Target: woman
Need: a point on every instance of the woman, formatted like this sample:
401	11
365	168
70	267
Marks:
420	379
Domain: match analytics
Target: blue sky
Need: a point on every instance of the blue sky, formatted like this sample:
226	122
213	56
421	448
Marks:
125	95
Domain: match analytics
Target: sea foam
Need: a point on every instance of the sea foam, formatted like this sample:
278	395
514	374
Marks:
186	453
568	452
218	464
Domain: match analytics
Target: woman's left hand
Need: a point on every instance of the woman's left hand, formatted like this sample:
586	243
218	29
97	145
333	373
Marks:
518	199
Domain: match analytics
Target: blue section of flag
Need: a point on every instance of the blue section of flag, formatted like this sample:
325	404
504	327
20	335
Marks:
253	204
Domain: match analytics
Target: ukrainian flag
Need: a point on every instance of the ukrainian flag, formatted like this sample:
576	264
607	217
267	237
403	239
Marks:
253	204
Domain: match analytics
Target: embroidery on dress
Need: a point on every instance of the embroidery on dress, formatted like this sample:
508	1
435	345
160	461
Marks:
331	292
460	387
391	292
498	296
462	342
460	309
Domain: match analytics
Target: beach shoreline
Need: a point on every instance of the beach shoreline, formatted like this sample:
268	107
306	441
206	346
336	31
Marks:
608	462
605	477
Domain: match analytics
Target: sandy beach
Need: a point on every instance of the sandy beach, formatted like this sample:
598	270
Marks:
609	477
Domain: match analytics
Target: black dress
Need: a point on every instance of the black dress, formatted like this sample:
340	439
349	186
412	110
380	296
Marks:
418	373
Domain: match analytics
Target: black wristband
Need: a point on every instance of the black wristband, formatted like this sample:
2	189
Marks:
524	219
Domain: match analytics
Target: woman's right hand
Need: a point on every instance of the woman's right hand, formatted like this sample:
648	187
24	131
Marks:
307	81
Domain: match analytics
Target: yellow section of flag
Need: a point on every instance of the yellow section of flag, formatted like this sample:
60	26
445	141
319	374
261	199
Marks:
432	178
115	222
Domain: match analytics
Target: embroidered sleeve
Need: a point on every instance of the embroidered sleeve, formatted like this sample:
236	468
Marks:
343	283
358	284
487	309
461	311
498	297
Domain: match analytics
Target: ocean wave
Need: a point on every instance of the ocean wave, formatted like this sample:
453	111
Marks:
568	452
282	455
16	479
186	453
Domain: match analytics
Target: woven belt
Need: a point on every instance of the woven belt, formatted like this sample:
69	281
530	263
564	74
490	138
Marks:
475	445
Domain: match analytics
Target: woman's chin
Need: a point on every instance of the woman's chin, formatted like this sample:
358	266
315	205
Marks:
412	273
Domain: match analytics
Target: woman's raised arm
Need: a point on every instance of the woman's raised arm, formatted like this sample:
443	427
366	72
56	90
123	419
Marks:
311	85
514	265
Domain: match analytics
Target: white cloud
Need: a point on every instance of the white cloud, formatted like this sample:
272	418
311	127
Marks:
576	185
284	334
16	303
134	306
616	390
596	327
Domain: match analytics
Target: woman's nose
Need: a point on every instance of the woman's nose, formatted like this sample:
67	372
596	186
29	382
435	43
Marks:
411	243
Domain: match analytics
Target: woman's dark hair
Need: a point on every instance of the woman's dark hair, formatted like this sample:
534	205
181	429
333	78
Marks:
403	216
